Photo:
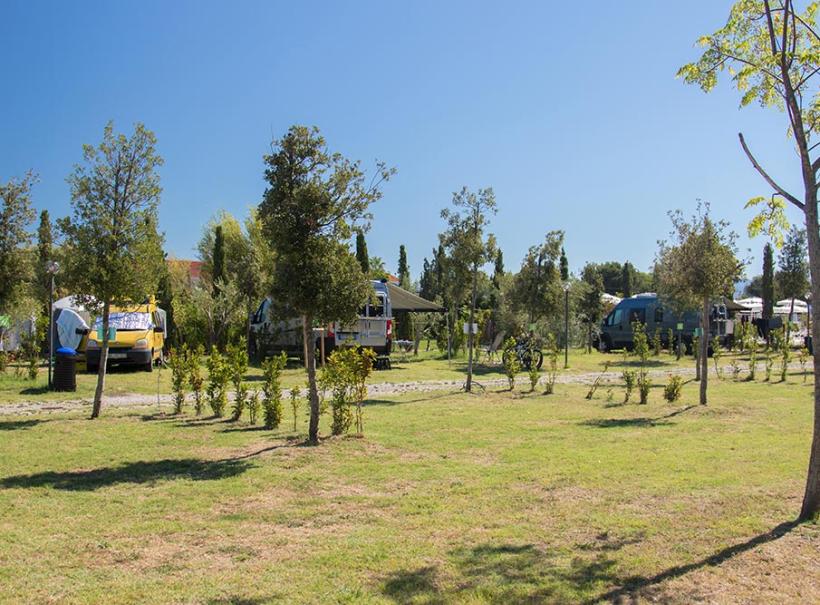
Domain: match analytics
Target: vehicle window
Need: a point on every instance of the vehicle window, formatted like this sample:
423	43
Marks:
658	315
637	315
616	316
127	321
363	311
377	309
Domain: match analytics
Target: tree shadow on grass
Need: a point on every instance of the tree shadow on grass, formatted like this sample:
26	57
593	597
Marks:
15	425
641	421
424	396
35	390
132	472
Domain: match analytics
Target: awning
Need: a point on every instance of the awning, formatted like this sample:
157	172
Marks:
402	300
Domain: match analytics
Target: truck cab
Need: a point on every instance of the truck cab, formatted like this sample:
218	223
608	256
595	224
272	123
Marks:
137	337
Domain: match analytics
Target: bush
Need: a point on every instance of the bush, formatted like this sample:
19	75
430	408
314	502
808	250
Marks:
752	345
178	362
195	379
553	353
272	390
630	379
237	360
295	394
641	343
30	352
218	378
346	377
253	406
803	357
717	353
672	391
4	361
534	374
512	365
656	342
240	400
644	384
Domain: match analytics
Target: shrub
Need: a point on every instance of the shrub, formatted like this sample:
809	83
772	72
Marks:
735	366
237	359
346	377
670	335
803	357
294	404
178	362
644	384
641	345
656	342
29	349
4	361
672	390
769	361
534	374
240	400
195	379
272	390
553	354
218	377
253	406
630	379
717	353
785	358
752	345
512	365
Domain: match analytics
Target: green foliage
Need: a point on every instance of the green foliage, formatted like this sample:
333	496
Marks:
272	390
793	277
295	403
361	253
767	283
785	356
670	335
672	390
345	376
178	361
656	342
536	288
512	365
589	305
219	374
803	357
630	378
534	374
218	267
735	366
4	361
752	347
253	406
29	348
552	353
195	378
717	354
15	216
769	363
237	359
240	401
626	280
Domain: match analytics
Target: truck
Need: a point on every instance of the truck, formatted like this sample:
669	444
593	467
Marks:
616	328
372	329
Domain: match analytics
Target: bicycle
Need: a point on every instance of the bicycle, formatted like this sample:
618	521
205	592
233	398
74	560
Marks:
526	353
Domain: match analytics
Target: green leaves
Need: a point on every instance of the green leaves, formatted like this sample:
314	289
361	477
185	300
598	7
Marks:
771	220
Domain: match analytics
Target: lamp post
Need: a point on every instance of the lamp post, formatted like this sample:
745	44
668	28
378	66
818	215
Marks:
51	268
566	325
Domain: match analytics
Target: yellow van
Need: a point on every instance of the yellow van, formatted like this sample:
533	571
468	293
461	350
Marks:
137	337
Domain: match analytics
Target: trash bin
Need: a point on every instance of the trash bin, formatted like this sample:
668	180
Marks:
65	370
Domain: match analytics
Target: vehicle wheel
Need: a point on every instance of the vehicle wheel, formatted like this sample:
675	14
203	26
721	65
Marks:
92	369
149	367
526	360
604	345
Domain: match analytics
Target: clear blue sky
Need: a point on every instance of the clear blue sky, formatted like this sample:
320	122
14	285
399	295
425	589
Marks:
574	116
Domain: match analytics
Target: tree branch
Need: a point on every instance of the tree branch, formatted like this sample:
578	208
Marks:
767	178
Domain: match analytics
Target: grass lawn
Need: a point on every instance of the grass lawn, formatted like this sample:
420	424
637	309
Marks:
498	498
429	365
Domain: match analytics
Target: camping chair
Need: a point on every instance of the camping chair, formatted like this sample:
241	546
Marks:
492	350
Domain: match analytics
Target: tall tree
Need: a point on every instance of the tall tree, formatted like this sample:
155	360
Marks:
564	266
218	266
590	306
536	287
498	269
361	253
45	253
15	216
404	329
696	266
754	287
771	52
113	250
469	248
313	202
627	273
404	269
793	277
767	282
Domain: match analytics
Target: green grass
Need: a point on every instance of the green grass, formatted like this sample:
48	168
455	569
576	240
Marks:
499	498
429	365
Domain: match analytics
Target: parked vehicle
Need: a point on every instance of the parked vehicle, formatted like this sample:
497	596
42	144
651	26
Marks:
137	337
373	328
616	328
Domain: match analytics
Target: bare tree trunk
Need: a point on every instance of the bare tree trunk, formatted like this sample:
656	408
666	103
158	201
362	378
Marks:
98	393
704	350
470	336
313	393
811	498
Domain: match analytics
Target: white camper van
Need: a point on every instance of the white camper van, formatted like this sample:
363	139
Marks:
373	329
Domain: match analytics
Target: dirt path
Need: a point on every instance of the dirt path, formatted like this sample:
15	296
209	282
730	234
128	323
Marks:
374	390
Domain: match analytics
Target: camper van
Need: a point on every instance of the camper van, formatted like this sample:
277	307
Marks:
137	337
616	328
373	328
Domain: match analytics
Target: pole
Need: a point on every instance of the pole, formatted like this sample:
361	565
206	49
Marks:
566	328
50	329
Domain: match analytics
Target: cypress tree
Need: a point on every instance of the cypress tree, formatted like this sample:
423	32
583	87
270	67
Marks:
768	282
218	272
361	253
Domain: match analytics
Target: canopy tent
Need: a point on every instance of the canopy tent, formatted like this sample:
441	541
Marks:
402	300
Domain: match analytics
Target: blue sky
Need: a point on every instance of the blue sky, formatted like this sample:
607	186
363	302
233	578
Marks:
573	115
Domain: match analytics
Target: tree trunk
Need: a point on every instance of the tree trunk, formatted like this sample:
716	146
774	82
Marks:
589	338
98	393
313	392
811	498
470	336
704	350
789	323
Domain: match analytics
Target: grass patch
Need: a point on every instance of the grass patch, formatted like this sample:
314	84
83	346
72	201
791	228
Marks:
496	498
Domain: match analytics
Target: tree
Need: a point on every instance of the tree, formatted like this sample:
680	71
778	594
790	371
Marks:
767	282
590	306
313	202
404	269
15	216
564	266
468	248
793	277
404	322
626	279
537	285
498	269
771	52
378	270
697	266
361	253
45	253
754	287
113	250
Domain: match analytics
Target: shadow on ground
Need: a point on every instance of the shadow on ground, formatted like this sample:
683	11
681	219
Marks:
15	425
640	421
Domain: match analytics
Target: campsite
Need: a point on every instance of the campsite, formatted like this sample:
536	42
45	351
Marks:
410	304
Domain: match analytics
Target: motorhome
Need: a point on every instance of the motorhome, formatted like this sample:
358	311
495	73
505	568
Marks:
136	337
372	329
616	328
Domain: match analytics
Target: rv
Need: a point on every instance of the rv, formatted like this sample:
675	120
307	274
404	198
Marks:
616	328
373	329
